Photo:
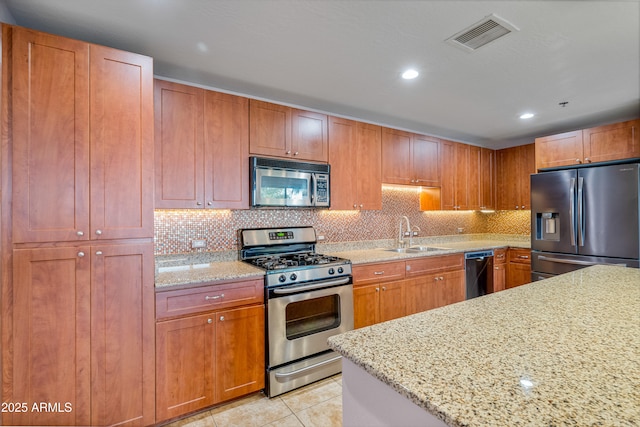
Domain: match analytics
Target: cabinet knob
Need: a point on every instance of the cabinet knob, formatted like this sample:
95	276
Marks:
384	288
80	254
296	153
377	289
578	161
209	321
588	160
99	232
80	233
288	152
522	207
222	318
516	207
98	252
199	203
209	203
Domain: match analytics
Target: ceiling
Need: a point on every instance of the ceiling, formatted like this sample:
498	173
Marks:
345	57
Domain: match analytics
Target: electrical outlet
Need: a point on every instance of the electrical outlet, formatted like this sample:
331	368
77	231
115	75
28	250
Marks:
460	230
198	243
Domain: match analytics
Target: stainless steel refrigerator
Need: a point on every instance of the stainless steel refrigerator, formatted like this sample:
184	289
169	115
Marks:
584	216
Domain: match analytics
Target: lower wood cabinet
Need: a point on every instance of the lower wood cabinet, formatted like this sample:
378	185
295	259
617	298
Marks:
209	357
84	338
378	303
499	270
518	268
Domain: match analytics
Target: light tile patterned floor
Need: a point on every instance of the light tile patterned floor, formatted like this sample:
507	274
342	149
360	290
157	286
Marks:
316	405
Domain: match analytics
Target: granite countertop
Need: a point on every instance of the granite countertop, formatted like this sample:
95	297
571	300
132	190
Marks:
207	267
561	351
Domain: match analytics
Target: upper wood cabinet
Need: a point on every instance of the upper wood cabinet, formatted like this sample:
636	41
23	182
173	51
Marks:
599	144
455	176
280	131
514	168
482	172
82	119
354	156
202	148
410	159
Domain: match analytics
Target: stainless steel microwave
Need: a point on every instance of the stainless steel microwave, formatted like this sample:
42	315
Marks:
286	183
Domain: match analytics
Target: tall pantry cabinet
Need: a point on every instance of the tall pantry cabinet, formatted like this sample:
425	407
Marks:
77	232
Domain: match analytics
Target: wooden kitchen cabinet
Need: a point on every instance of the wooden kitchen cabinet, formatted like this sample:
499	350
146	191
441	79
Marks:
201	148
482	170
213	350
514	168
378	293
616	141
436	281
499	270
410	159
84	316
455	176
79	174
280	131
518	268
355	159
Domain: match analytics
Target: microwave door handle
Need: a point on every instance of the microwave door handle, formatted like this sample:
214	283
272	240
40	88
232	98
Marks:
312	190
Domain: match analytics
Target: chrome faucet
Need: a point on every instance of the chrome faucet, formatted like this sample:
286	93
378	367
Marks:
401	242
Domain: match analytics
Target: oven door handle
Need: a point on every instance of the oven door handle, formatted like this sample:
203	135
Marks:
307	368
315	285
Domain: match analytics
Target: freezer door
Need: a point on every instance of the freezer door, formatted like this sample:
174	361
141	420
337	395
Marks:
607	207
553	220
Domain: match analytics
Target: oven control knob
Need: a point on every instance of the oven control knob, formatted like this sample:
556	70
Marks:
282	278
340	270
332	271
293	276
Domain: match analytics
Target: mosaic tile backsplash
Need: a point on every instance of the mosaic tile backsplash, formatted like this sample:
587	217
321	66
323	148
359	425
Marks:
175	229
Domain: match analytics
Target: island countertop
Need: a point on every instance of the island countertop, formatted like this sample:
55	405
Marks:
561	351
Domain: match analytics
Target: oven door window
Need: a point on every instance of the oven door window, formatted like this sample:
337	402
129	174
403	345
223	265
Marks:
312	316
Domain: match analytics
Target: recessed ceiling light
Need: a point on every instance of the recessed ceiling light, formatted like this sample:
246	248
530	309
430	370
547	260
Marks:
410	74
526	115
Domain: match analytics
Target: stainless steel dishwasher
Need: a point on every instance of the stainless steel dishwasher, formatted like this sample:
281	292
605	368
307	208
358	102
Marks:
479	273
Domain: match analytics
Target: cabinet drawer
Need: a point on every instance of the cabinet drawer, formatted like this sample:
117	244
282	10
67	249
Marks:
499	256
212	297
373	273
522	256
426	265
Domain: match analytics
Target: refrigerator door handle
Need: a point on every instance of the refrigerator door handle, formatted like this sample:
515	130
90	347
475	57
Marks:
581	219
577	262
572	213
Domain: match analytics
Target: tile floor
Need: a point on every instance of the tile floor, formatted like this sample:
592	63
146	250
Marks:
316	405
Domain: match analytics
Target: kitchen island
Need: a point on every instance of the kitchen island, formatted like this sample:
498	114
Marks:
562	351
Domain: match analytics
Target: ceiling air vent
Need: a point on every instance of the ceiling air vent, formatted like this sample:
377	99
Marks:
479	34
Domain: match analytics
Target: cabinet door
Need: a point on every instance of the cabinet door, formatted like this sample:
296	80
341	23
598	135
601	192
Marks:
179	146
122	331
559	150
309	136
452	287
461	183
121	94
421	294
475	173
366	309
487	178
269	129
517	274
396	157
526	154
426	160
185	365
51	327
392	300
508	187
612	142
226	135
50	107
343	140
368	166
448	177
499	277
239	352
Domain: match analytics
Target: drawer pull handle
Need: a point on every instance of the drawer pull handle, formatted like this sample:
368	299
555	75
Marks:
523	256
207	298
378	273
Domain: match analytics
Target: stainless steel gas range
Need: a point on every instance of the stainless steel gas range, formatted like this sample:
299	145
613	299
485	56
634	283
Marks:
309	298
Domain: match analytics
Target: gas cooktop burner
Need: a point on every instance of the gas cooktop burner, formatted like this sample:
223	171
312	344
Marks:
279	262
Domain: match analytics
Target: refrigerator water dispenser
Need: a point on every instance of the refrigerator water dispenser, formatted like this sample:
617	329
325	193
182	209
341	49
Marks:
548	226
